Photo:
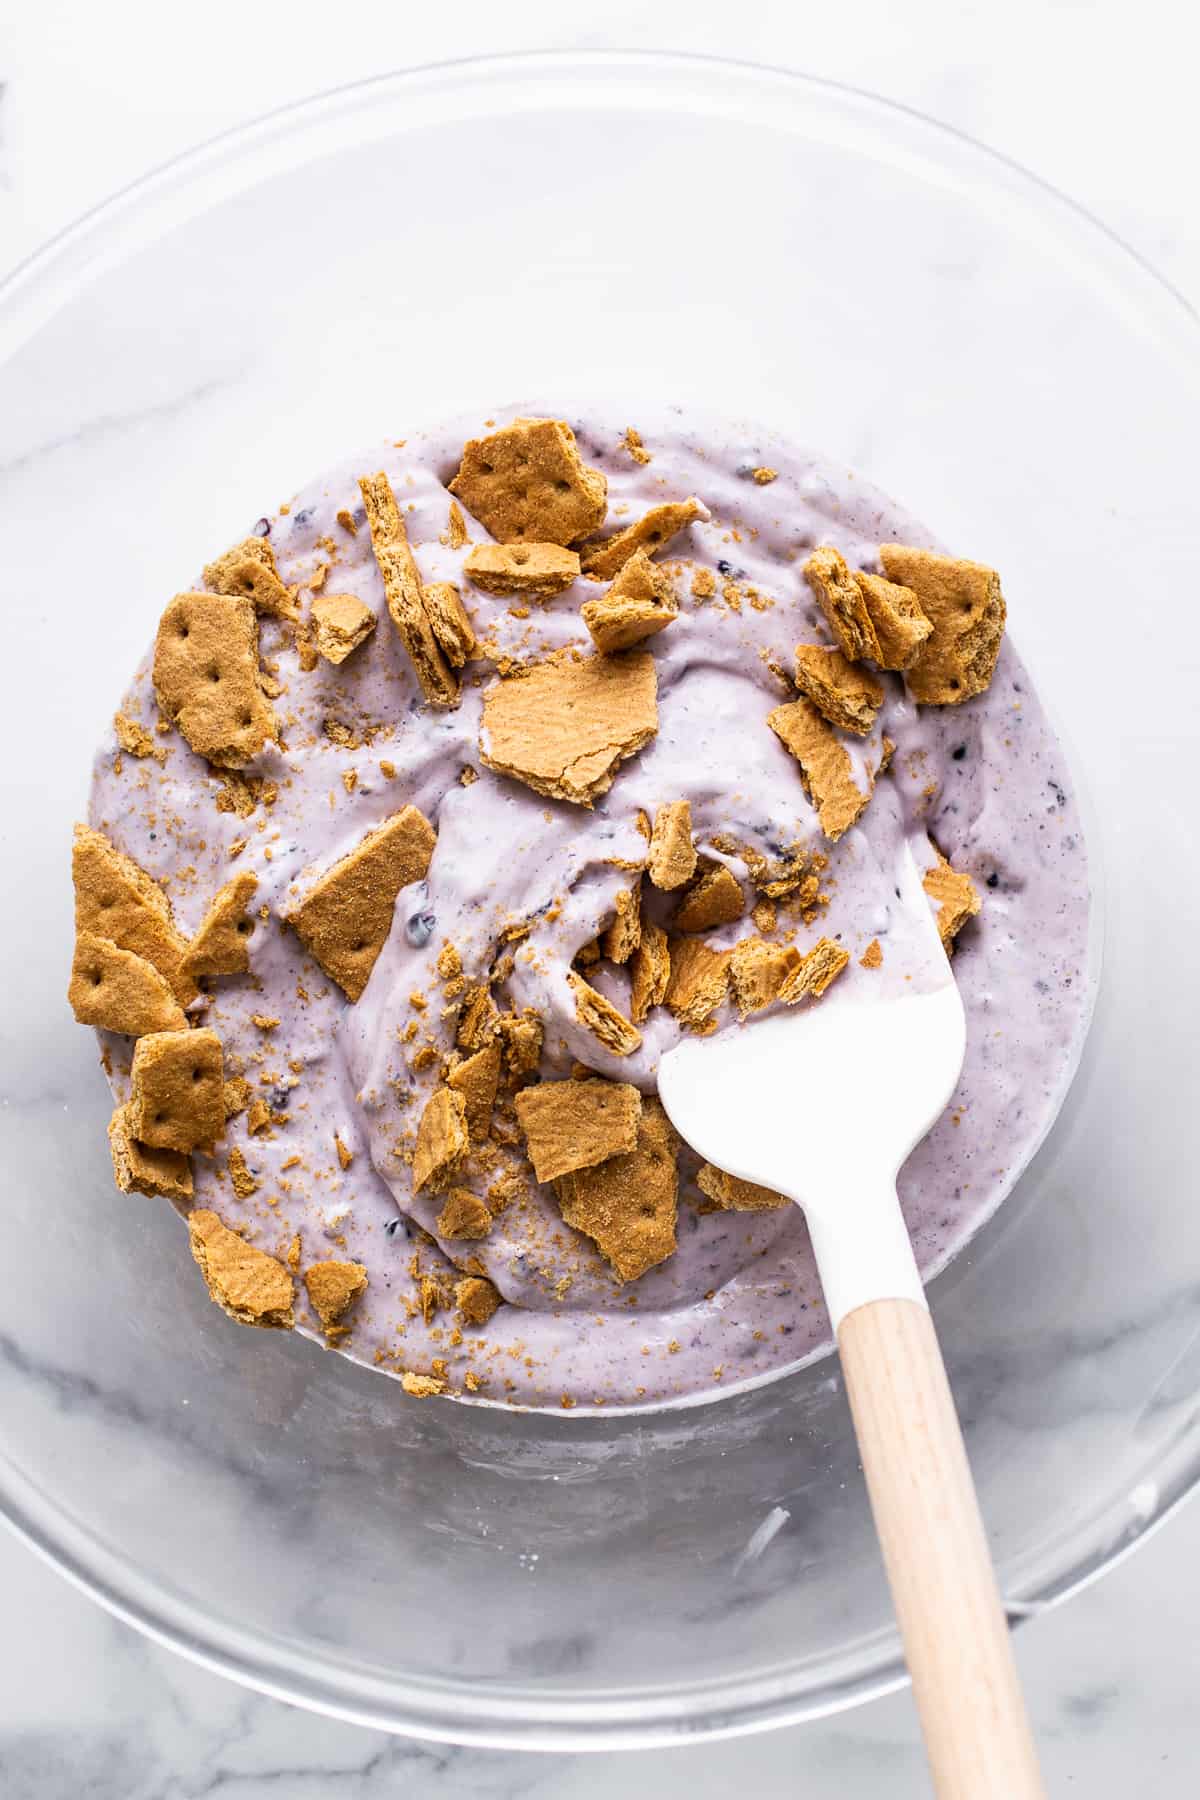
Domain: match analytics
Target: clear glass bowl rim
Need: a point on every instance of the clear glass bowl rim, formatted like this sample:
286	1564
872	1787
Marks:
29	296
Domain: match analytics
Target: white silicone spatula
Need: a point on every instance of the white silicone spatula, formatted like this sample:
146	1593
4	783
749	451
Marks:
823	1105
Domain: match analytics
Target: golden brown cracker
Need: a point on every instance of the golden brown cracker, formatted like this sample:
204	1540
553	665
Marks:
699	981
177	1091
621	937
206	677
477	1299
821	966
963	602
450	622
872	956
341	622
333	1288
842	692
649	534
456	527
715	899
249	1285
477	1079
758	972
344	920
402	588
527	483
627	1205
672	859
463	1216
956	896
118	990
563	727
895	612
640	603
537	571
842	602
221	946
522	1035
442	1141
602	1018
650	971
825	765
574	1124
140	1169
135	740
249	570
116	899
731	1194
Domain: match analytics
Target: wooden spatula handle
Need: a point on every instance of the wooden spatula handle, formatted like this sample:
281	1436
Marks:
956	1639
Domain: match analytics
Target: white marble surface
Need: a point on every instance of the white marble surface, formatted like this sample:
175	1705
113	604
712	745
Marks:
88	99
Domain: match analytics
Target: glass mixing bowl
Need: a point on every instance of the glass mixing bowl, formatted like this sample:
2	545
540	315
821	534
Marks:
646	229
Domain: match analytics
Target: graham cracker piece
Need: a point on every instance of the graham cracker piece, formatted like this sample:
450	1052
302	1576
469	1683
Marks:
206	677
527	484
672	858
252	1287
652	532
825	766
758	972
841	600
537	571
640	602
243	1181
116	899
463	1215
237	1096
563	727
956	896
135	740
699	981
478	1020
449	622
522	1035
844	694
341	622
575	1124
456	527
222	944
627	1205
620	939
422	1387
872	956
402	586
177	1093
963	603
731	1194
601	1017
821	966
118	990
650	971
139	1169
900	625
477	1299
477	1079
715	899
249	569
333	1287
442	1141
344	920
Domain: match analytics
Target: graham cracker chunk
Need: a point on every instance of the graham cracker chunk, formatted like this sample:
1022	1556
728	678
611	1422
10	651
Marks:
526	484
222	944
842	692
732	1194
872	956
476	1080
442	1141
118	990
640	602
672	852
402	587
651	532
449	622
177	1097
699	981
138	1169
825	766
840	599
822	965
116	899
575	1124
758	971
620	939
522	1035
206	677
900	625
538	571
957	899
602	1018
963	602
563	727
333	1288
627	1205
463	1215
252	1287
422	1387
345	919
650	971
477	1299
249	569
716	899
341	623
135	740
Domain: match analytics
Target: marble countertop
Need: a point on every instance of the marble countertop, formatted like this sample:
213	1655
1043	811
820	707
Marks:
89	98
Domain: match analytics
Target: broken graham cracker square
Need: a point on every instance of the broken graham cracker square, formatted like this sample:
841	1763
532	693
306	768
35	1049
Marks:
825	765
117	900
249	1285
640	603
344	920
957	899
563	727
895	612
965	606
627	1205
118	990
698	983
140	1169
476	1079
463	1216
672	859
821	966
341	622
842	692
206	677
402	589
177	1094
602	1018
477	1299
758	972
537	571
650	971
528	484
731	1194
221	946
841	600
332	1288
249	569
450	622
575	1124
442	1141
715	899
621	937
648	534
